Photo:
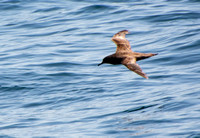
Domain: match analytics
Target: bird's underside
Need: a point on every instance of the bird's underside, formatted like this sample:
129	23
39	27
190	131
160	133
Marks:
124	55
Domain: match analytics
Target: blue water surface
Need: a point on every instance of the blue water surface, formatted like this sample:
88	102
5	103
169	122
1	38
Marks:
51	85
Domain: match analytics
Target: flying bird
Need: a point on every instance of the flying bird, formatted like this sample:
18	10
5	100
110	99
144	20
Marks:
124	55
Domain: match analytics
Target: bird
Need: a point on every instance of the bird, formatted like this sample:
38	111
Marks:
124	54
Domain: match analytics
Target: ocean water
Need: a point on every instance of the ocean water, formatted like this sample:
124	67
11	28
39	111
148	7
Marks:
51	86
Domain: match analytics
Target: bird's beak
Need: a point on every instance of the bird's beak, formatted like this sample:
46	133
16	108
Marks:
100	64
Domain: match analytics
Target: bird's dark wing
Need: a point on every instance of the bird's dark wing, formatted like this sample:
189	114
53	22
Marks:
133	66
121	42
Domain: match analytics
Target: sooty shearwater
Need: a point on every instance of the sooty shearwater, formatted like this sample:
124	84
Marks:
124	55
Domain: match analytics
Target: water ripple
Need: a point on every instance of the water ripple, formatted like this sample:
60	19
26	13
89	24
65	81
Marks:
50	81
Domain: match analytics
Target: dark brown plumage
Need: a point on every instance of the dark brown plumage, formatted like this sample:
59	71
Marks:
124	55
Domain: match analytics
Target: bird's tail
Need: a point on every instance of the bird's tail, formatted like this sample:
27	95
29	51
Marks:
144	56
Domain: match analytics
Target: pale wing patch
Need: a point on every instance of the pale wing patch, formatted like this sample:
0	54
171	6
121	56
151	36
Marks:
120	40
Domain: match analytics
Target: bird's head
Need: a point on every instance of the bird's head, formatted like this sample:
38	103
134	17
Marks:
105	60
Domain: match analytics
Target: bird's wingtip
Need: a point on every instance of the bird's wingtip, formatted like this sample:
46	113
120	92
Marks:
145	76
124	31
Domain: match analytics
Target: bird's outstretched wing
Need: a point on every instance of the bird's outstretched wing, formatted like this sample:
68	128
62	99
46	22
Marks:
133	66
121	42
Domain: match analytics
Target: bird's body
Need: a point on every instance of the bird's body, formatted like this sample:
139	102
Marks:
124	55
